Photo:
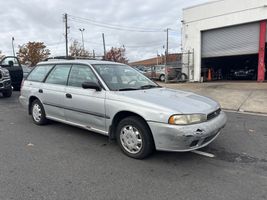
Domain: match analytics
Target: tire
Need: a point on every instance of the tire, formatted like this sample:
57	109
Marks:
7	93
38	113
138	146
183	77
162	78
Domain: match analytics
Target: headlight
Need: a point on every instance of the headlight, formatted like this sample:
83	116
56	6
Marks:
6	74
187	119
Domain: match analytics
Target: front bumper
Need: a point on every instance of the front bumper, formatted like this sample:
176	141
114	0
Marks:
186	138
23	101
5	84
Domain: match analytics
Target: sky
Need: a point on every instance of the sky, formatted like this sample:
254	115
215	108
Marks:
139	25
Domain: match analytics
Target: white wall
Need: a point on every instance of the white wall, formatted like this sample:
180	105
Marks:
216	14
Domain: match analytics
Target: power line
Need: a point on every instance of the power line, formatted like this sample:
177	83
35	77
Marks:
113	26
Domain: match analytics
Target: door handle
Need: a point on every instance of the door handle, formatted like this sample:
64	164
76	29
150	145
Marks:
69	96
41	91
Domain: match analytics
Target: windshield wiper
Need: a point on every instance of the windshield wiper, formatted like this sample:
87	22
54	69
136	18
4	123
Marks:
149	86
127	89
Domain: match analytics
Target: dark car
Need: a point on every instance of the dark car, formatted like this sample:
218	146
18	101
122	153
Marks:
13	65
5	83
243	74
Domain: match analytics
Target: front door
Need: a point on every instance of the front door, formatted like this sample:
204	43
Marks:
85	106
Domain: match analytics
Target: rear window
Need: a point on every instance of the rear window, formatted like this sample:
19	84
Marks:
39	73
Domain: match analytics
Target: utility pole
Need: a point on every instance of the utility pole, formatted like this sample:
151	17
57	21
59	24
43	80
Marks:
82	30
104	45
13	46
167	47
93	53
66	34
166	56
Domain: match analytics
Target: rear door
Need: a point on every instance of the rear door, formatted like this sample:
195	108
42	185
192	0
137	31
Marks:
53	91
85	106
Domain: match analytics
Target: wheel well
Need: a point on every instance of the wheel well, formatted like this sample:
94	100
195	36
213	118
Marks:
31	100
117	118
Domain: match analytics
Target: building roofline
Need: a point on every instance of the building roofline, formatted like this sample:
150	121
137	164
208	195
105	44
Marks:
201	4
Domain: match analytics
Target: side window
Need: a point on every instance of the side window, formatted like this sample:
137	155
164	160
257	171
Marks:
59	75
10	61
80	74
39	73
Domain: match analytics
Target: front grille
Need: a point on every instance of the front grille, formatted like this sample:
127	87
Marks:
213	114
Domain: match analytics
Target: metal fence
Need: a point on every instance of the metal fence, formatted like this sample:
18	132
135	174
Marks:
179	70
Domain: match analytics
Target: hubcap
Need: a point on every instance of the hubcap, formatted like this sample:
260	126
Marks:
36	112
131	139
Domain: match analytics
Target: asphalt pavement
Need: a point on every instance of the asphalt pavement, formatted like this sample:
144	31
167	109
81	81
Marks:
58	161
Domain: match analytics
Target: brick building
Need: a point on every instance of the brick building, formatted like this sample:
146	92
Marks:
173	59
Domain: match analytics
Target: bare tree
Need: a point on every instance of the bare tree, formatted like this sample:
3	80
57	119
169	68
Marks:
32	53
76	50
117	55
1	55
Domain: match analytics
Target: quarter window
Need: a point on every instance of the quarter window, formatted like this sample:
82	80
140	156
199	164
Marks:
80	74
59	75
39	73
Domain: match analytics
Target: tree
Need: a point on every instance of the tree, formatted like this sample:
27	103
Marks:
32	53
1	55
76	50
117	55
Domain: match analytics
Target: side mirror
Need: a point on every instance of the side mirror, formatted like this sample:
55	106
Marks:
91	85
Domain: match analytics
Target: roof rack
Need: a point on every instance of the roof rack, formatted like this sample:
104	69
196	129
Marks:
73	58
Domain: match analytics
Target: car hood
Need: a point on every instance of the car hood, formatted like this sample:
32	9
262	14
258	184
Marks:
177	101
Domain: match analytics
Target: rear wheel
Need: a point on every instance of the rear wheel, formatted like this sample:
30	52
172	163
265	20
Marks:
134	137
38	113
162	78
7	93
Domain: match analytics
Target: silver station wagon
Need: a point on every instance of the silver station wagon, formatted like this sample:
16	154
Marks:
118	101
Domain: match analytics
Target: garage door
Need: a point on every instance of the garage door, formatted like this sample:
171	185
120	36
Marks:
235	40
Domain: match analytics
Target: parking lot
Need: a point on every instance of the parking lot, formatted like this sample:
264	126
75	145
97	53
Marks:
58	161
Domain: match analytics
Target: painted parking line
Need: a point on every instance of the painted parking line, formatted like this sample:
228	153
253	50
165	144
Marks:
204	153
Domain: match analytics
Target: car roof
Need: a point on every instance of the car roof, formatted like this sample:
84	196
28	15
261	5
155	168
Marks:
78	61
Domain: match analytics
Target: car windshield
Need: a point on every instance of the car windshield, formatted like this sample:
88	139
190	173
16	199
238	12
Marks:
123	77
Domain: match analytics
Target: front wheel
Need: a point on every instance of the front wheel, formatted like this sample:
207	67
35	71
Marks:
134	137
162	78
7	93
38	113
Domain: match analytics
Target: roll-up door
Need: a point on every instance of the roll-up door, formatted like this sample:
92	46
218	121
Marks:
229	41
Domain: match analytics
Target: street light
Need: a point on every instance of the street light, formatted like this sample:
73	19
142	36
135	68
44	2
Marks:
82	30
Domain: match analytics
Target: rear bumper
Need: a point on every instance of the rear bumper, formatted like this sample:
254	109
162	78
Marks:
186	138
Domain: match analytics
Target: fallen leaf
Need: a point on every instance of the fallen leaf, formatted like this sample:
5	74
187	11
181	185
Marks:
30	145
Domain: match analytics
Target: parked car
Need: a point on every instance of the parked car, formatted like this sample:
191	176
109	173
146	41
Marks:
159	72
116	100
13	65
5	83
243	74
